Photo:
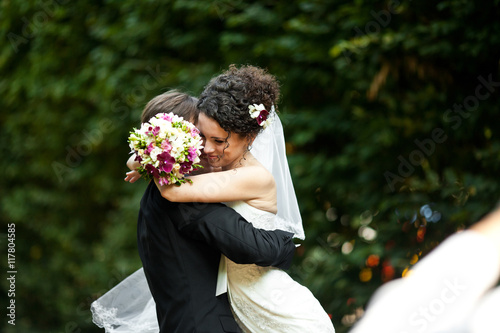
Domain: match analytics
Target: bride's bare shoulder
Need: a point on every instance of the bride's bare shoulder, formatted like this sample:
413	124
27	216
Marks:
261	183
259	175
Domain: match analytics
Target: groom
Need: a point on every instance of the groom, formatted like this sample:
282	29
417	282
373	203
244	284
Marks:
182	270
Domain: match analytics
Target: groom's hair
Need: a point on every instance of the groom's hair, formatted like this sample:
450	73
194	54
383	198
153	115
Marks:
178	103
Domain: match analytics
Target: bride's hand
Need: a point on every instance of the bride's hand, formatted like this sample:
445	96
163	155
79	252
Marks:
132	164
132	176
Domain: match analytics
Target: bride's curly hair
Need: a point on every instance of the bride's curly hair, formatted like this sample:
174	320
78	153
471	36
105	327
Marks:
226	98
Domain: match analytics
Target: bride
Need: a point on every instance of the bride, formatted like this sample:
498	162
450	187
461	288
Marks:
235	124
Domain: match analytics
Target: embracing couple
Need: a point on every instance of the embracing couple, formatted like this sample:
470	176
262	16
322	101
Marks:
213	267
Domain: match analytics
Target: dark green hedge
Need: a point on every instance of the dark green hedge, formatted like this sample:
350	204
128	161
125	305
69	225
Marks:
388	106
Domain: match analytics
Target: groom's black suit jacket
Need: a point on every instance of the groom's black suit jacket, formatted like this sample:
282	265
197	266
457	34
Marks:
180	245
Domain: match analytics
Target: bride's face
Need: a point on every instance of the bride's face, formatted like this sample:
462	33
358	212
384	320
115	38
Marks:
220	151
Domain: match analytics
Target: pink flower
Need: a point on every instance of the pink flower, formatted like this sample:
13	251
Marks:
195	132
166	116
192	154
149	149
166	146
163	180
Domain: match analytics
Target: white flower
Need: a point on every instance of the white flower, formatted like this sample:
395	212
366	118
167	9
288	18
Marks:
177	151
256	109
177	143
266	123
144	128
154	153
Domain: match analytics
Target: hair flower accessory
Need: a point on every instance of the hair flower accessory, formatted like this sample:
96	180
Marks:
260	113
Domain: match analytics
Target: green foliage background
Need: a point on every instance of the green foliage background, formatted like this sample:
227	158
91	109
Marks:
361	82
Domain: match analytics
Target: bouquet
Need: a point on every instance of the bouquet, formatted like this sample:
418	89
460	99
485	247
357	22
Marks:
167	147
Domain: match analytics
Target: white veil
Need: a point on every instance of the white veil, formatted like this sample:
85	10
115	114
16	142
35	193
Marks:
269	149
127	308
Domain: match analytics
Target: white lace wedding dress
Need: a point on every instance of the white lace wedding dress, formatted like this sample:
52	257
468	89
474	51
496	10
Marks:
267	299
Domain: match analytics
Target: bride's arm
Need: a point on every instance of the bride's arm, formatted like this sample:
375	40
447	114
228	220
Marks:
489	227
238	184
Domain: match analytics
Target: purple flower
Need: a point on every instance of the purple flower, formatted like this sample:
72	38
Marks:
262	116
153	131
152	170
137	158
185	167
166	162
